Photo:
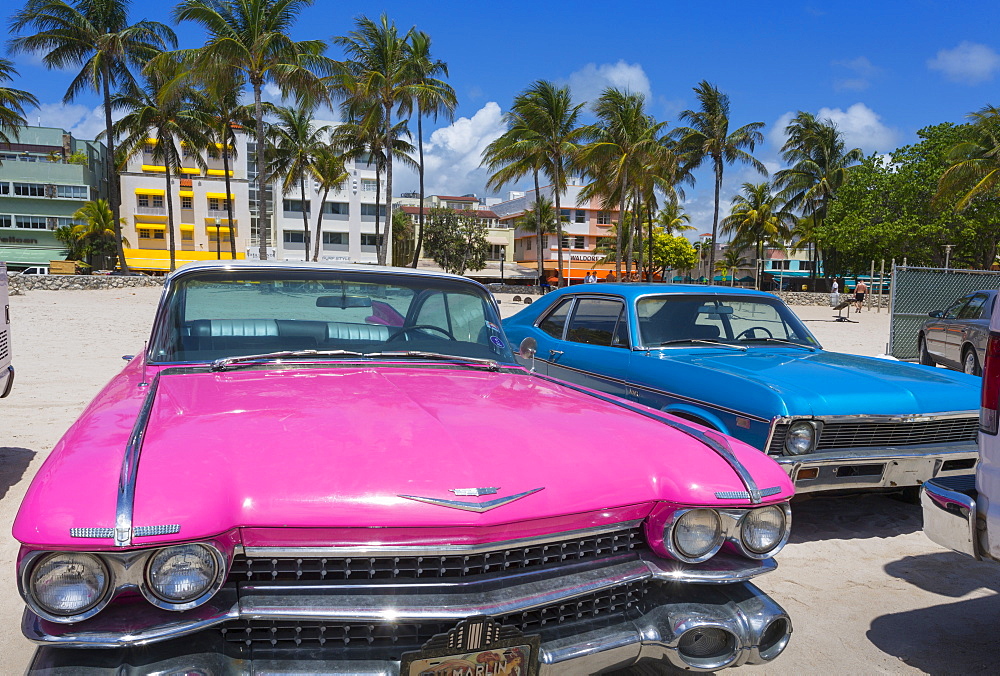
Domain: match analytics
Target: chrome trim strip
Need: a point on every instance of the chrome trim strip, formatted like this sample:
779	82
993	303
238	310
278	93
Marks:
743	495
478	507
720	447
10	381
376	550
889	418
92	533
138	531
130	469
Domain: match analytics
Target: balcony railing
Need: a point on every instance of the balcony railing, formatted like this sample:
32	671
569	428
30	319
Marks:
151	211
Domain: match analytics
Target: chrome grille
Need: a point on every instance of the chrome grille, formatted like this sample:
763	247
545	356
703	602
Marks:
411	635
866	434
313	569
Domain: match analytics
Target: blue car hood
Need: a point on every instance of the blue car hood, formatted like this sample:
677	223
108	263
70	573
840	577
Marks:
825	383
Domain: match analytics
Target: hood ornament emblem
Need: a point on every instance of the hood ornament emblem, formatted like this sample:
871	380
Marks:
474	492
473	506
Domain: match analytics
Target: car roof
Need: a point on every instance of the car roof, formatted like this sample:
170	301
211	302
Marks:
632	290
202	266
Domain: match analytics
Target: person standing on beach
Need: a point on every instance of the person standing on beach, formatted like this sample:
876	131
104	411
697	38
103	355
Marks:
859	294
835	294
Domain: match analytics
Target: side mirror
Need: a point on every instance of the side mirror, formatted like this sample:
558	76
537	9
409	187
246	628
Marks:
935	313
528	348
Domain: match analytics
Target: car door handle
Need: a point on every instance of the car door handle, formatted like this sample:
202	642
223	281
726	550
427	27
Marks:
554	353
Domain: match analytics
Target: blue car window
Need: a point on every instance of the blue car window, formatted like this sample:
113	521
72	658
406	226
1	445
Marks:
555	321
595	321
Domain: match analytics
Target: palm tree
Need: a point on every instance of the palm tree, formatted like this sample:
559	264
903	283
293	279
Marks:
819	165
328	167
732	259
708	139
96	36
376	84
549	111
295	142
12	104
251	37
542	221
433	97
512	156
974	165
671	218
162	108
758	217
96	235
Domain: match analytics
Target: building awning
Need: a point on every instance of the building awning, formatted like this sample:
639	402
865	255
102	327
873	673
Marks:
219	195
150	191
788	273
221	228
186	193
150	226
186	227
498	240
190	170
29	256
153	167
219	172
158	260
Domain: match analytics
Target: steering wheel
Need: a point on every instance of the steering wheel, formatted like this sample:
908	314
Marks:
406	329
752	332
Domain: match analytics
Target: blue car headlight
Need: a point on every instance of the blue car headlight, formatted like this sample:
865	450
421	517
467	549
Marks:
801	438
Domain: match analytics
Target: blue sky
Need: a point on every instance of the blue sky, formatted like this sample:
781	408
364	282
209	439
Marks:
880	70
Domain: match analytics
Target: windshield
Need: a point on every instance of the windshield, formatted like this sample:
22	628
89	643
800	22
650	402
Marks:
738	320
229	313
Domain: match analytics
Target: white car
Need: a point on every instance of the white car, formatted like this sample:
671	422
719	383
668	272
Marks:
963	512
6	370
35	270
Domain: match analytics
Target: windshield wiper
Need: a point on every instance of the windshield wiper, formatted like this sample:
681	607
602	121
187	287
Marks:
811	348
704	341
418	354
225	362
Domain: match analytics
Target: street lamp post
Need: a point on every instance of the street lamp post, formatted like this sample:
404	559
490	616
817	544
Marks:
947	254
503	259
218	238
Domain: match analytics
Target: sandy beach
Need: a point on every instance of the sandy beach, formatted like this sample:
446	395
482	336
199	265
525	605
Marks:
868	593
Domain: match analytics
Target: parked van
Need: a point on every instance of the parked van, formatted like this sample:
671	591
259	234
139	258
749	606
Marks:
963	512
6	370
35	270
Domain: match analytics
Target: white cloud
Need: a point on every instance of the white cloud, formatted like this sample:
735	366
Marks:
968	63
861	126
589	82
81	121
452	155
861	73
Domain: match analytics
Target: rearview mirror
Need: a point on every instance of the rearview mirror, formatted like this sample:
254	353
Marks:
343	302
935	313
715	310
528	348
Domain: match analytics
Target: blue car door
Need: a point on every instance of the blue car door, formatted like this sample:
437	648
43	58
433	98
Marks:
595	349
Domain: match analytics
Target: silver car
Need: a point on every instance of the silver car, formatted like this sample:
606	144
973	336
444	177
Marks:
956	336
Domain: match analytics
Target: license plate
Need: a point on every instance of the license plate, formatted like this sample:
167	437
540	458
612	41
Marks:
515	660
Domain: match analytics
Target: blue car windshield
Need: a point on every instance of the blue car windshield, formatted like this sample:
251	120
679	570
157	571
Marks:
217	314
675	319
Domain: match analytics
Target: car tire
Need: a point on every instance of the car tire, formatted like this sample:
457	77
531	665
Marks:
925	357
970	362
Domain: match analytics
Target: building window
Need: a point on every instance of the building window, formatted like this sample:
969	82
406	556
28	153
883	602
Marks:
806	265
77	192
370	240
572	242
528	247
294	237
154	201
604	218
581	216
369	185
29	189
334	238
369	210
497	252
31	222
150	234
564	215
149	148
4	188
781	265
216	204
187	235
187	202
294	206
337	208
4	221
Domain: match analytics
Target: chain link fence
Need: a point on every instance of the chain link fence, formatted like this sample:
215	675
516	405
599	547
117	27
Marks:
918	291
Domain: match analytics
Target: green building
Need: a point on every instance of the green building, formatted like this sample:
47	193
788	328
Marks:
46	175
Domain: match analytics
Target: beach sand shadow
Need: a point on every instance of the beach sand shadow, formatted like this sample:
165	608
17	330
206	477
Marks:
852	517
14	463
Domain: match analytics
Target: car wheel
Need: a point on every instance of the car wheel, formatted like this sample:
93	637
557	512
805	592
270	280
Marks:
970	362
925	356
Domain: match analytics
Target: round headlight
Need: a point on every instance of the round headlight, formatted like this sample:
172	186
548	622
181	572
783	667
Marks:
763	529
800	438
182	573
68	584
698	533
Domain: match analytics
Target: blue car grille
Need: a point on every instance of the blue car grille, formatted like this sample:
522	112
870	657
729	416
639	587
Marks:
870	434
314	569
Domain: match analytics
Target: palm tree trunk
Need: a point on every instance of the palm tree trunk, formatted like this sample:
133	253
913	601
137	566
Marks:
559	230
715	219
319	224
621	229
114	196
630	253
638	232
420	174
262	224
229	194
305	217
539	232
649	238
171	243
378	208
384	250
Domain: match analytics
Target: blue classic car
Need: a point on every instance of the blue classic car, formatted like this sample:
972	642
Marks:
741	362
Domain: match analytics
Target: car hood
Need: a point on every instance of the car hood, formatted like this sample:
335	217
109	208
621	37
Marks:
830	383
338	447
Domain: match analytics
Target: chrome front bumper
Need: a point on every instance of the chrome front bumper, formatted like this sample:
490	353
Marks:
867	468
950	516
756	628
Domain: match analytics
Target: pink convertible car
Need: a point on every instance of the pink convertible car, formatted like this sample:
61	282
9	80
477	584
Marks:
315	469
